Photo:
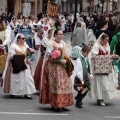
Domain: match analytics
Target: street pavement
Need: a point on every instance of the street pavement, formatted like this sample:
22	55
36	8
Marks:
22	109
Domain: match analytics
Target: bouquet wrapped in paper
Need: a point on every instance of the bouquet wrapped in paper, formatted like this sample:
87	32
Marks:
79	86
56	56
84	87
30	51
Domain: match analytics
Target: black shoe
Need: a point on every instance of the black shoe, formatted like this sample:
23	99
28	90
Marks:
76	98
12	96
65	109
28	97
80	102
79	105
55	109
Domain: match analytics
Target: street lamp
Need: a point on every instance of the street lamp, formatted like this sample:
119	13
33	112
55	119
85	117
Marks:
75	16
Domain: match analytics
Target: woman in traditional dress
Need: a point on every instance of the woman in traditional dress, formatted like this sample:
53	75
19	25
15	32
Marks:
91	38
44	43
20	19
17	78
83	26
56	86
14	28
4	35
102	87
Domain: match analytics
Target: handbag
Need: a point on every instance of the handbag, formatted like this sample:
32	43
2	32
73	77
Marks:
102	65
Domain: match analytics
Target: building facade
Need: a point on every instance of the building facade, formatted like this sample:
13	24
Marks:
15	6
3	6
86	5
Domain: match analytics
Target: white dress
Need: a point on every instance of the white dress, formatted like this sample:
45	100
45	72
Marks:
102	87
5	36
14	25
21	83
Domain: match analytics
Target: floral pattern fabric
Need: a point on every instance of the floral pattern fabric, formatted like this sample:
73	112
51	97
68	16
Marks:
102	64
56	86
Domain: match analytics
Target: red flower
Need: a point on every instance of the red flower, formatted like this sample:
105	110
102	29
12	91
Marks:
80	85
81	89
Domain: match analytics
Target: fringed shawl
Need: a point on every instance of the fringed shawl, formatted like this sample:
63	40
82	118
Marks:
70	66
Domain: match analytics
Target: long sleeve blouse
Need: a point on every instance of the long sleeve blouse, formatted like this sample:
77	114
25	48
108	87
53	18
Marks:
79	68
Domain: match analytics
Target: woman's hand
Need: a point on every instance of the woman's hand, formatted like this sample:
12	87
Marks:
63	62
114	56
28	61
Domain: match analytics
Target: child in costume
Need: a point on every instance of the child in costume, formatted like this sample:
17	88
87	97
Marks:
81	82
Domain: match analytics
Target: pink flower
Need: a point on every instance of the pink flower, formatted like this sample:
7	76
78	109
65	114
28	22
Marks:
31	50
56	54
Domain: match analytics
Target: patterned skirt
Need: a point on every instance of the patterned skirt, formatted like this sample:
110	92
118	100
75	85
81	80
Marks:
37	74
56	86
6	81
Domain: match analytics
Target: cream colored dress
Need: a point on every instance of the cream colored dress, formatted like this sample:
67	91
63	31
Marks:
102	87
21	83
5	36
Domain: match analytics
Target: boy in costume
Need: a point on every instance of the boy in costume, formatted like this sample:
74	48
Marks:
81	82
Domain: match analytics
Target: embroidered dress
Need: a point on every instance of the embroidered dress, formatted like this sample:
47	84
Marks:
56	88
38	71
103	85
5	36
21	83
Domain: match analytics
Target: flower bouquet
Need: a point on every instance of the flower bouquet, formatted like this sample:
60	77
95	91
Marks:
80	85
56	56
30	52
84	87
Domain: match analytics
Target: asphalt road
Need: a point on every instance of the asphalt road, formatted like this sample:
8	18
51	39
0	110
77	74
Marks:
22	109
